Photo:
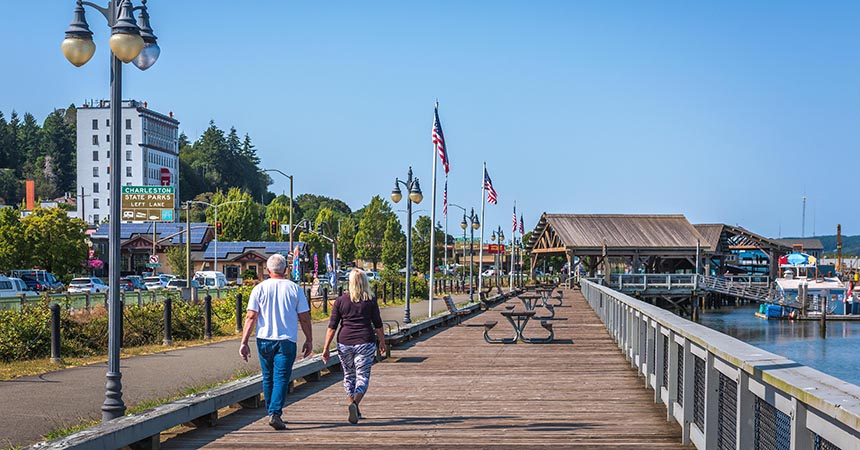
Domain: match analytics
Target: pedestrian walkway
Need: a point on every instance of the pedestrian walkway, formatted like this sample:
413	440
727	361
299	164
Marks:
36	405
450	388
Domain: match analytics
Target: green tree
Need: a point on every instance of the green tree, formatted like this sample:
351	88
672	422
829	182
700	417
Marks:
371	230
28	140
346	239
59	162
393	246
176	260
5	157
241	221
310	206
11	188
57	241
14	247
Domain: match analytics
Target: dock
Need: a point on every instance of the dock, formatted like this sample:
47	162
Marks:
450	388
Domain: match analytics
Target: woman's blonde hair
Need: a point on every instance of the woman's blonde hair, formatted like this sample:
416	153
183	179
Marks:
359	287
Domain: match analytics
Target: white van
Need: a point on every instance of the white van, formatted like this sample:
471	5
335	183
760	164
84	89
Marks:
211	279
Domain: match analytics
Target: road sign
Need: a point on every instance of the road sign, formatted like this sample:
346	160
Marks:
285	228
153	259
495	248
148	203
153	266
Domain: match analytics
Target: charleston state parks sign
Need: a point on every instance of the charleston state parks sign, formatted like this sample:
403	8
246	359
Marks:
148	203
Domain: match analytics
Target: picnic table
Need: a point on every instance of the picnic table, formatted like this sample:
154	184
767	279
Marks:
518	321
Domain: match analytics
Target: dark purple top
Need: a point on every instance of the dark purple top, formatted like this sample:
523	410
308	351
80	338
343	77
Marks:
357	320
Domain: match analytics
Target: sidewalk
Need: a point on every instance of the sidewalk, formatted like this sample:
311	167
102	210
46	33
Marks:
33	406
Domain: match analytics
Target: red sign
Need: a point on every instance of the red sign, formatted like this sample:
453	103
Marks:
495	248
165	176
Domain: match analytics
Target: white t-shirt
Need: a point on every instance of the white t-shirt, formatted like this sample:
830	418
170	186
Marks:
278	303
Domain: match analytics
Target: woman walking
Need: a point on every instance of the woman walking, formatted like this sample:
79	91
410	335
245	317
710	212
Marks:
357	314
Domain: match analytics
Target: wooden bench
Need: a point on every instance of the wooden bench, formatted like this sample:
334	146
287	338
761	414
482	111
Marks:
452	308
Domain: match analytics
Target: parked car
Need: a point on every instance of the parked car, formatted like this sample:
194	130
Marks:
489	273
156	282
131	284
39	280
211	279
13	287
93	285
373	276
177	284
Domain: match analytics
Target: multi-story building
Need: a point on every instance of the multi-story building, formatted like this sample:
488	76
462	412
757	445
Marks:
150	153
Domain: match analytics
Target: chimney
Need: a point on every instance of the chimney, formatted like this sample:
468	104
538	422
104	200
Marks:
171	113
144	104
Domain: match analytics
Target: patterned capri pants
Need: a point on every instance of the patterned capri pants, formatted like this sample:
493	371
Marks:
356	361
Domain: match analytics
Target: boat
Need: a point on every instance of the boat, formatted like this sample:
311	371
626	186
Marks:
800	273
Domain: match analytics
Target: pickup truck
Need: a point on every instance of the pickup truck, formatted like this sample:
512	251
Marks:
13	287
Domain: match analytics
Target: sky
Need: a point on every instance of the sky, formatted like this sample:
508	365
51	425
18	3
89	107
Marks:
725	112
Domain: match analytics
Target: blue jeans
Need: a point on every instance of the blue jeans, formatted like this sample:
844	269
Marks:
276	362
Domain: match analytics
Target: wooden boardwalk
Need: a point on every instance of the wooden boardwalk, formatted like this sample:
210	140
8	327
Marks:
451	389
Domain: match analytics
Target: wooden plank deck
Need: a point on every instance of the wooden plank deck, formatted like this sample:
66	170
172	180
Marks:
452	389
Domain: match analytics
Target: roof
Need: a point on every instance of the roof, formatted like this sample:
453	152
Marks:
128	230
238	248
712	232
627	231
808	243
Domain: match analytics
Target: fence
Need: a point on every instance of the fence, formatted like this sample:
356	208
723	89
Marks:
724	393
87	300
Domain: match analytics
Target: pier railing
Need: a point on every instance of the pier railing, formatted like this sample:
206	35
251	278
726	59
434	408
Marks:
725	393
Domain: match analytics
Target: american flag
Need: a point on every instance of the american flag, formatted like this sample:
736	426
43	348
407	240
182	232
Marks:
439	138
445	199
514	220
522	228
492	197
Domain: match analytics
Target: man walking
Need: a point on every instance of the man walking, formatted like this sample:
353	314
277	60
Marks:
276	307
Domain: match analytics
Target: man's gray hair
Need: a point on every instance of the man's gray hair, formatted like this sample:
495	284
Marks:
277	264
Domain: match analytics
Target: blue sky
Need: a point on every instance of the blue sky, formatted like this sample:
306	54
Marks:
724	112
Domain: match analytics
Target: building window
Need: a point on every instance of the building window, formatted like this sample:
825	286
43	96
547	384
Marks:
107	123
95	218
127	124
128	171
128	155
108	170
107	138
95	188
95	203
108	200
95	139
95	124
95	155
127	139
95	172
108	188
108	154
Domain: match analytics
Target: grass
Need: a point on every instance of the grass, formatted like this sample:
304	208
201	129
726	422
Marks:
17	369
143	406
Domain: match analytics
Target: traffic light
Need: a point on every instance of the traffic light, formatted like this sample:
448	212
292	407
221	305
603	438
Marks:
219	230
273	227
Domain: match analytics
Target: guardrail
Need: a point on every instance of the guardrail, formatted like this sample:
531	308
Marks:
725	393
143	429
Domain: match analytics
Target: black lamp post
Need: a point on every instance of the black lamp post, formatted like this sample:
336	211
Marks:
415	196
498	257
473	218
332	239
130	41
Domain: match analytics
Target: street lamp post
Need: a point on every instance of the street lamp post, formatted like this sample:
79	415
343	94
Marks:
215	262
473	218
129	41
498	256
332	238
290	262
463	225
415	196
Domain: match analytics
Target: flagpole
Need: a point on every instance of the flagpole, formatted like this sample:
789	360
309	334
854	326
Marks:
481	242
432	228
513	239
445	213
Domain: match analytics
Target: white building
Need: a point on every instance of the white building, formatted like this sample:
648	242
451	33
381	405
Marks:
150	153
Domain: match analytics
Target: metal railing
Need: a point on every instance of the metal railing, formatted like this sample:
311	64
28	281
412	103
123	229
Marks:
725	393
86	300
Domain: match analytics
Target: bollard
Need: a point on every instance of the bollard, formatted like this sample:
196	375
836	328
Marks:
325	300
340	290
55	334
207	317
139	299
393	294
375	290
168	318
238	313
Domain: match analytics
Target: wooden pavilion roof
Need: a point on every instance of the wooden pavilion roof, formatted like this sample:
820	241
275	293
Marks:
586	234
721	238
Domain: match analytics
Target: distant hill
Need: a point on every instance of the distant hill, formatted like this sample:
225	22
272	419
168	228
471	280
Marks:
850	244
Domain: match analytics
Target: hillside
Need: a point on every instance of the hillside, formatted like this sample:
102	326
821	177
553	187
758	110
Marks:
850	244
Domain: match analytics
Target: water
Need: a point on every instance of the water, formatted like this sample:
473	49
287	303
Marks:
837	355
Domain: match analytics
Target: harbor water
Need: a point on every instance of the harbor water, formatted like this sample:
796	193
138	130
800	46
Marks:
837	355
